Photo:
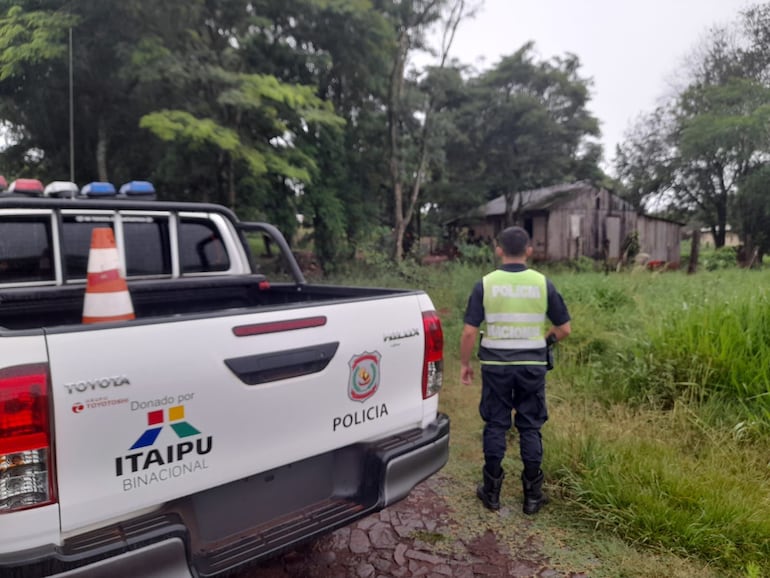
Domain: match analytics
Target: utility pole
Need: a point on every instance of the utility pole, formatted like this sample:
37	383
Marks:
72	118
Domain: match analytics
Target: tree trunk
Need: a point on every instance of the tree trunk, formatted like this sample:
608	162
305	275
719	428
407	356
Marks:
692	267
394	101
403	215
101	151
407	217
450	29
400	225
231	195
231	183
721	233
755	259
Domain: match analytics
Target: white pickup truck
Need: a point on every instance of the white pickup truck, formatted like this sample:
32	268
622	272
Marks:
236	416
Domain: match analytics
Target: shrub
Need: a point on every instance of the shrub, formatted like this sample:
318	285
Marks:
722	258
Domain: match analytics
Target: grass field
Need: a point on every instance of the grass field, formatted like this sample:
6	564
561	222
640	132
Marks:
657	450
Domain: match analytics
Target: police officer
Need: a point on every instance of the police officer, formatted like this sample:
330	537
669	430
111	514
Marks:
514	303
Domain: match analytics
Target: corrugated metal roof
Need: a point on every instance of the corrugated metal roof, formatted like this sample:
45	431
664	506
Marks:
542	198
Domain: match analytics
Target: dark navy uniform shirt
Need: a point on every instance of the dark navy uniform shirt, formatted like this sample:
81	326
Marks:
557	312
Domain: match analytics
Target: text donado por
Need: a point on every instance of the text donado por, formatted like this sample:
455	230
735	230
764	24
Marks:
358	417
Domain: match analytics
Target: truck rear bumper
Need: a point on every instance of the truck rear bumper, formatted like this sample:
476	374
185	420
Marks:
159	560
249	520
414	462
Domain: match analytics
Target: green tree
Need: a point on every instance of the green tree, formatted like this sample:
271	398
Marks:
525	124
723	133
251	123
114	47
752	214
34	87
695	151
342	47
644	160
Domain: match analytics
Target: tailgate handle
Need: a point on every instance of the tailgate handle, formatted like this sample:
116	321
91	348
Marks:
277	365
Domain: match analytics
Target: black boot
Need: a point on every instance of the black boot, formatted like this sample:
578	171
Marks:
489	491
534	498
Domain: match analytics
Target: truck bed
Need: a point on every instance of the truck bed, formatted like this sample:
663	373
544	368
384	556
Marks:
49	307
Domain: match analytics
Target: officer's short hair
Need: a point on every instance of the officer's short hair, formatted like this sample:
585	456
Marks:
514	241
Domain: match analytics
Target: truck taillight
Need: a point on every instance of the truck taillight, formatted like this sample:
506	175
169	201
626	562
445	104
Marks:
26	479
433	365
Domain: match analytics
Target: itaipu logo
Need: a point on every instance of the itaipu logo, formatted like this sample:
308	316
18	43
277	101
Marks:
364	375
143	457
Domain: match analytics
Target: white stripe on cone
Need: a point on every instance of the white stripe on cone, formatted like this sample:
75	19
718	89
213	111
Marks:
102	260
107	304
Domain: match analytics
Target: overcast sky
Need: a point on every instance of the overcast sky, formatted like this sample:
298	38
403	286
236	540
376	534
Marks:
632	49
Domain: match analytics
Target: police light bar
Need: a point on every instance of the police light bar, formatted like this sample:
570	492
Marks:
98	190
26	187
61	189
134	189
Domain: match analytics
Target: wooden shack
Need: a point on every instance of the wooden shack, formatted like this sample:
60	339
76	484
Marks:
568	221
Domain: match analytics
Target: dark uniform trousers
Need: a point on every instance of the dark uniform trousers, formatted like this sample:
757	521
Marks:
508	388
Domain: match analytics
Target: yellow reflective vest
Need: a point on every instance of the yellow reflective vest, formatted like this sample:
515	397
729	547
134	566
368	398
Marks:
515	305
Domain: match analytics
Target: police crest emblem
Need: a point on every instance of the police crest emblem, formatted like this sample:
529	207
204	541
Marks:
364	377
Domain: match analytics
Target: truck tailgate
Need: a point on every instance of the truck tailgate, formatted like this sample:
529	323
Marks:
149	412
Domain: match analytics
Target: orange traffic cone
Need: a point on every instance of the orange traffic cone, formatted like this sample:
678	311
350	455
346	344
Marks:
107	297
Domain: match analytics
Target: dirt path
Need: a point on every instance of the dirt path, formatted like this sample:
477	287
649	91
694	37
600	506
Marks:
416	537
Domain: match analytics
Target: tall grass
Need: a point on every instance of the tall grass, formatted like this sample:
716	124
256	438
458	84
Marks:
658	339
659	480
674	455
671	375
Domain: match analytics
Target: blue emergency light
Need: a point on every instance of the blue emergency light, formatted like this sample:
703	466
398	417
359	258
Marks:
98	189
135	189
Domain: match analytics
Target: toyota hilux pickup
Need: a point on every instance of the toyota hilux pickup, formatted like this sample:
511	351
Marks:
241	412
